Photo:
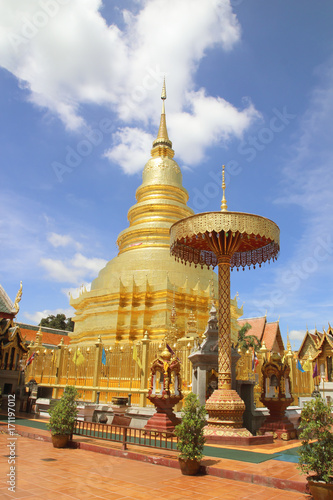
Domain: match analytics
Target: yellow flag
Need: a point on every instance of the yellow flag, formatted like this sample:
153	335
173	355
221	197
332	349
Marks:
78	358
307	366
135	356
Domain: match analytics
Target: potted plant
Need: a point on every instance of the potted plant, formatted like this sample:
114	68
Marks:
191	439
316	452
62	417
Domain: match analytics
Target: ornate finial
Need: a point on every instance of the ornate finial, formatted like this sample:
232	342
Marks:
39	336
191	330
288	341
224	206
163	95
162	144
18	299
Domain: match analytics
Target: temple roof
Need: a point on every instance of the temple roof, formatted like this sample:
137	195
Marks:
51	337
6	305
264	331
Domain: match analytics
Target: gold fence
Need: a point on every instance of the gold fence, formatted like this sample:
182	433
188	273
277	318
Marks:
302	383
114	370
122	369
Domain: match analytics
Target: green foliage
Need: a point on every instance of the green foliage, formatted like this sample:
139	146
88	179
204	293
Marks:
63	414
245	341
60	322
316	423
190	435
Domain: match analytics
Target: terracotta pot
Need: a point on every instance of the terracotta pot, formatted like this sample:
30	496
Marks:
60	441
320	490
189	467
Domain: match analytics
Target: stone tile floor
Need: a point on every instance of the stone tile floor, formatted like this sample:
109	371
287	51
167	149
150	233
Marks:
45	473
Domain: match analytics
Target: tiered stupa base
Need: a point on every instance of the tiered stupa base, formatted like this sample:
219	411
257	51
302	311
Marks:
225	422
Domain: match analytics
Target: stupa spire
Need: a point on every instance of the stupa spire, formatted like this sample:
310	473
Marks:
161	198
162	144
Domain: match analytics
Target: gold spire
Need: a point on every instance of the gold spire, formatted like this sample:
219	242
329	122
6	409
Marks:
224	206
163	97
162	144
288	341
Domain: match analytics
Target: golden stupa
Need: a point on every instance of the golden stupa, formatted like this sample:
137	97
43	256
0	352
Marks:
136	291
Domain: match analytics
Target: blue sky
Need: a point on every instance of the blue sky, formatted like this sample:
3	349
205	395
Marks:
249	85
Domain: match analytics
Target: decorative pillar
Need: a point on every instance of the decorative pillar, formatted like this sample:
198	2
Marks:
58	367
224	358
144	371
225	407
97	367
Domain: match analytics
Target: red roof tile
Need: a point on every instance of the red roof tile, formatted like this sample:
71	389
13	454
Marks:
47	338
271	334
257	324
263	331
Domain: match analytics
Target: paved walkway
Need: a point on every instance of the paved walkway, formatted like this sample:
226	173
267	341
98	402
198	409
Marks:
98	470
45	473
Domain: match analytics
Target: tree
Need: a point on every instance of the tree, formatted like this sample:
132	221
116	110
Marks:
60	322
245	341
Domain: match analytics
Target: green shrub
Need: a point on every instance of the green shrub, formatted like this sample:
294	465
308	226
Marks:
191	439
64	413
316	452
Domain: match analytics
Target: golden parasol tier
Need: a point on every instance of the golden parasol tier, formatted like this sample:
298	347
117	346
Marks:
225	239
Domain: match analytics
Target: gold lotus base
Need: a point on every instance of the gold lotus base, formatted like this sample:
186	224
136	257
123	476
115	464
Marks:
225	409
226	433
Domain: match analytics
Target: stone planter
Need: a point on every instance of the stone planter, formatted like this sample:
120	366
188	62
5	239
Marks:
189	467
320	490
60	441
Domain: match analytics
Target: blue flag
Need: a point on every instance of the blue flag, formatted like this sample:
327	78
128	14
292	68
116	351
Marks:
299	366
103	357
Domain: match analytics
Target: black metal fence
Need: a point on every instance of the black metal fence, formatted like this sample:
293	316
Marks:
127	435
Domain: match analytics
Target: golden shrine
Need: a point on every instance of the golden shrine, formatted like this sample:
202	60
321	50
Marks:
277	395
136	290
165	391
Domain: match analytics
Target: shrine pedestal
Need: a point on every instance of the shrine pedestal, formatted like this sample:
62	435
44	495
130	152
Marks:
164	419
281	429
277	422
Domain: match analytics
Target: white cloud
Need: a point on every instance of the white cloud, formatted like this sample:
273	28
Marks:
39	315
210	121
62	240
74	270
297	335
130	151
121	68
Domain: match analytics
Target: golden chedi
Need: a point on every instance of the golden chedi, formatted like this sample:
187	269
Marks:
136	290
